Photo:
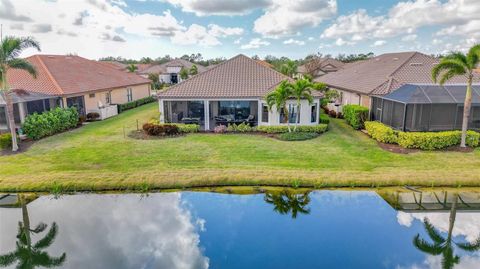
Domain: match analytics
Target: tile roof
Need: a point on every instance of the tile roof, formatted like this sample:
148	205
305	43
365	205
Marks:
65	75
385	73
162	68
114	64
325	64
239	77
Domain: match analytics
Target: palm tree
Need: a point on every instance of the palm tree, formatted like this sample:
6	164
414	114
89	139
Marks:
289	68
31	255
302	89
459	64
193	70
11	48
132	68
279	97
183	74
286	202
441	245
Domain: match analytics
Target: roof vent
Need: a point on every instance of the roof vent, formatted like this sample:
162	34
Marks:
395	59
416	64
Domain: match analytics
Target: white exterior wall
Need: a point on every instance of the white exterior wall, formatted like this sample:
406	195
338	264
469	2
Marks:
305	113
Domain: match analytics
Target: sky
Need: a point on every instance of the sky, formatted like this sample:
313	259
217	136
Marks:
222	28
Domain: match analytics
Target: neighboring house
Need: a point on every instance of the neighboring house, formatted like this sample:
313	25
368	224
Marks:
381	75
232	92
72	81
115	65
169	72
426	107
321	66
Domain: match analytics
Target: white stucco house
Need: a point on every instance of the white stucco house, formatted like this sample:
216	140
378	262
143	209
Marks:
232	92
169	72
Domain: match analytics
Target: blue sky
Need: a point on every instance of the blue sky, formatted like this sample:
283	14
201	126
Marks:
219	28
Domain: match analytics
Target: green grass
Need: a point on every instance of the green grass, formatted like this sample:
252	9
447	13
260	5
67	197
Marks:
99	157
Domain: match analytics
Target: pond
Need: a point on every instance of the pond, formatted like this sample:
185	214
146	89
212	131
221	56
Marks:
262	228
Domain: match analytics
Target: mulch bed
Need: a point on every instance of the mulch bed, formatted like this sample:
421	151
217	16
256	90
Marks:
140	135
396	148
22	147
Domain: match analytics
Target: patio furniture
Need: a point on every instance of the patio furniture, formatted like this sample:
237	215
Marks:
190	120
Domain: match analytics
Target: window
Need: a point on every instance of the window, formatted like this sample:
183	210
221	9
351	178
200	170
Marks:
292	114
313	117
92	95
108	98
234	110
264	113
129	95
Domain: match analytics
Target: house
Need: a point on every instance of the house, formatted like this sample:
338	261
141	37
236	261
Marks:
232	92
62	80
428	107
320	66
381	75
169	72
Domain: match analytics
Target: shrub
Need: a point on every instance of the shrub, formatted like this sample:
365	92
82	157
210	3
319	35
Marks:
297	136
473	139
240	128
339	115
187	128
160	129
51	122
355	115
332	113
5	141
136	103
220	129
324	119
278	129
93	116
436	140
381	132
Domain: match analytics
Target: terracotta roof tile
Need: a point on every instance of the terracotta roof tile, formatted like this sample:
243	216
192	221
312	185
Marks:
64	75
239	77
162	68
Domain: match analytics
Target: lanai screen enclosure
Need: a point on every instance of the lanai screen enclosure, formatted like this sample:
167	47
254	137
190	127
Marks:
426	108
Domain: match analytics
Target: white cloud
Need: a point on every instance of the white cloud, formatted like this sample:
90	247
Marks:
292	41
409	38
286	17
199	35
219	7
379	43
255	44
340	42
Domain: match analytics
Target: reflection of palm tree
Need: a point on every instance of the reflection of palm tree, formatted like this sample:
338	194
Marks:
443	245
30	256
286	202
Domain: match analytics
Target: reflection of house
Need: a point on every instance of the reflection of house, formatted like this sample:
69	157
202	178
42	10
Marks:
232	92
381	75
321	66
427	201
78	82
169	72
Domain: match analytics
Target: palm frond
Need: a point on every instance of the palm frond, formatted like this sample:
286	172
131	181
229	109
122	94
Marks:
45	260
473	56
23	65
48	239
447	65
7	259
470	246
426	247
12	47
455	55
433	233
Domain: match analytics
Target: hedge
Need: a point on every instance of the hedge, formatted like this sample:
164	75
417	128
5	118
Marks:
278	129
51	122
324	118
355	115
420	140
161	129
5	141
136	103
381	132
187	128
240	128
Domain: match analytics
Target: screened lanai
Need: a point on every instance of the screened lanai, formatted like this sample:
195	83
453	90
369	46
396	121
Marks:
426	108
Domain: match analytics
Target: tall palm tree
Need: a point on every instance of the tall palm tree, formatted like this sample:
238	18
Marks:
441	245
31	255
278	99
286	202
132	68
10	49
459	64
289	68
302	89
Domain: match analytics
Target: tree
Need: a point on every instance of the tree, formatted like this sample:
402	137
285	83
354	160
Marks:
183	73
11	48
302	89
441	245
278	99
194	70
31	255
286	202
289	68
155	80
354	57
459	64
132	68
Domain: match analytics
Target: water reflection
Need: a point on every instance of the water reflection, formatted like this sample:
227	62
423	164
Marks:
29	255
288	202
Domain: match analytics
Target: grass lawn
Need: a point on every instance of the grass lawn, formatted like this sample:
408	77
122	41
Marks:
99	157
